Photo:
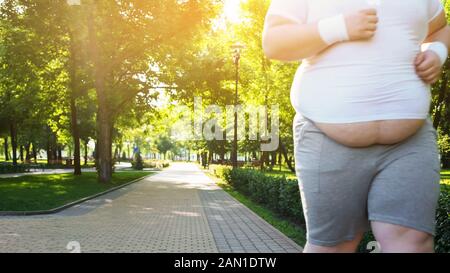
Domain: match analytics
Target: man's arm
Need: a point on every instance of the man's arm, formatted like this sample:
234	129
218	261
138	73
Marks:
428	63
286	40
438	30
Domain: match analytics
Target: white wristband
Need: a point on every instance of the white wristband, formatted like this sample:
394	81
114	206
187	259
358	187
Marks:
333	30
439	48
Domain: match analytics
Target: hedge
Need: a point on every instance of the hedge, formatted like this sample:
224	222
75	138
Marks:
158	164
6	168
282	196
275	192
9	168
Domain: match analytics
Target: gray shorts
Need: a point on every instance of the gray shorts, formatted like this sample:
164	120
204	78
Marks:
343	188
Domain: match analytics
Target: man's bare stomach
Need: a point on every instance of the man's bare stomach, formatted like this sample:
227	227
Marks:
365	134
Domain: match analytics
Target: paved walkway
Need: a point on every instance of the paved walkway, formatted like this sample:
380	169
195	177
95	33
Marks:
177	210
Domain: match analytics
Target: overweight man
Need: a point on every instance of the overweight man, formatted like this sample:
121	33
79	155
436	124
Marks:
365	148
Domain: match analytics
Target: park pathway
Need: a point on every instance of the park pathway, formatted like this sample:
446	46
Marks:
177	210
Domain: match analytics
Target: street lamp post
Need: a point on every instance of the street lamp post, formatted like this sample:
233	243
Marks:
237	48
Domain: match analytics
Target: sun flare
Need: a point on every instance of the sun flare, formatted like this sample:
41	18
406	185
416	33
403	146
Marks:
232	10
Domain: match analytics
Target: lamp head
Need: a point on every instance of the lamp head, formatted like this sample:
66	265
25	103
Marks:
237	47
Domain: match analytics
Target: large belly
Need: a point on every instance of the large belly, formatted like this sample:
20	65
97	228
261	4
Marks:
360	103
364	134
367	92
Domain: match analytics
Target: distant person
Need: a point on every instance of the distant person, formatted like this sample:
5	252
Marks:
365	148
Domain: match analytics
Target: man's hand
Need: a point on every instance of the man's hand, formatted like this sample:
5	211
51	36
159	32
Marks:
428	66
362	25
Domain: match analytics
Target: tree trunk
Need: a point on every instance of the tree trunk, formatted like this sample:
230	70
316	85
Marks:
75	136
222	156
27	152
273	158
49	154
73	109
263	159
210	156
104	146
54	155
280	159
96	154
21	149
286	158
13	131
6	149
34	154
116	153
59	156
104	119
85	152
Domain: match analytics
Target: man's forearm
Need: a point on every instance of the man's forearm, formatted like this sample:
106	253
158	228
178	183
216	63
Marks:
292	42
442	35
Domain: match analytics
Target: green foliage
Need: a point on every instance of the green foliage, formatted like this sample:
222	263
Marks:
444	143
221	171
156	164
137	163
9	168
164	144
276	192
443	221
6	168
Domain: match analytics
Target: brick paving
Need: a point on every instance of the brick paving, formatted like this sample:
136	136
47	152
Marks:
177	210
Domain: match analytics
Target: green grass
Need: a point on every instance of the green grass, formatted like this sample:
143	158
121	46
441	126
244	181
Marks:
288	228
445	175
43	192
277	171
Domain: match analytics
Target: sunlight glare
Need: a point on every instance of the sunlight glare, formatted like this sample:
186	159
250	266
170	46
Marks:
232	10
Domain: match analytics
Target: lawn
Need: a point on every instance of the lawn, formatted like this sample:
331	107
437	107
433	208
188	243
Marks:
277	171
286	173
445	175
43	192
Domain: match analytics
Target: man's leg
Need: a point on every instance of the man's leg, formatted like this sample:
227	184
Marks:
346	247
334	182
395	238
404	193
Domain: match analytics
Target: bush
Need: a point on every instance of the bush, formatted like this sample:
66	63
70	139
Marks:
290	203
6	168
282	196
154	164
220	171
137	163
442	239
10	168
275	192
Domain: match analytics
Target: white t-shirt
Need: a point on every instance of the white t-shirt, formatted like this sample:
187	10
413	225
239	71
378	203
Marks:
363	80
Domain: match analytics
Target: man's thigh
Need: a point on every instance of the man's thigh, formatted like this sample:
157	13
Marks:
405	190
334	182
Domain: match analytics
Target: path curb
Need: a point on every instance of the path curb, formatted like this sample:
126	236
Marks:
66	206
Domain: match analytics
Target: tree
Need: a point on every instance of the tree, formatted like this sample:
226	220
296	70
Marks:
164	144
125	55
